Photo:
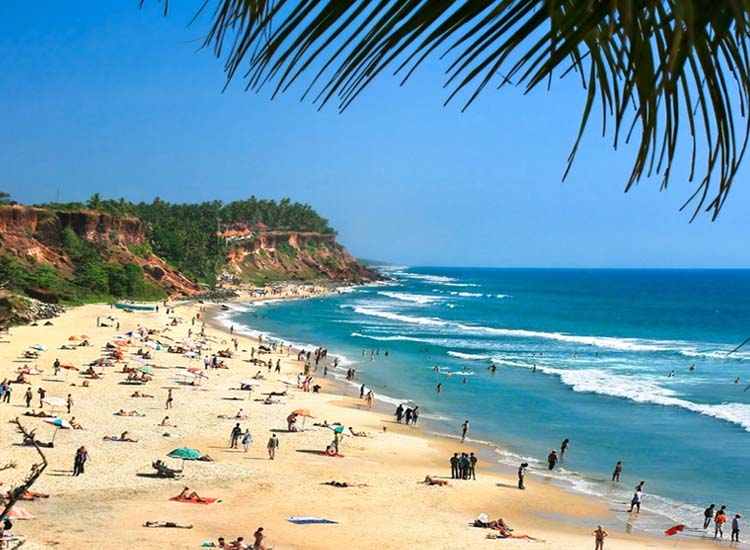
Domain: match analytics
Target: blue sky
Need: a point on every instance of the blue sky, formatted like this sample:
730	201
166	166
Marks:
101	97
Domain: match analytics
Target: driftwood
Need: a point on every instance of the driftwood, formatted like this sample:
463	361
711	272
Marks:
14	495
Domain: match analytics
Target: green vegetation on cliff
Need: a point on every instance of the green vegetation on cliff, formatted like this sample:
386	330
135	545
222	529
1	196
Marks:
185	235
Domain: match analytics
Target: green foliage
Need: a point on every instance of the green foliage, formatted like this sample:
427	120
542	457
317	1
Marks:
286	249
141	250
4	197
92	277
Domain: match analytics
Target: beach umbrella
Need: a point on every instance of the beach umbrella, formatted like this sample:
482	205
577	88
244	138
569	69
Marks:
38	347
59	424
67	368
73	338
19	513
304	413
55	401
251	382
84	337
146	370
337	429
184	453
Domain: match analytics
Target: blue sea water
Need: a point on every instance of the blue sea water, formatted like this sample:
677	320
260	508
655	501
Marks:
603	343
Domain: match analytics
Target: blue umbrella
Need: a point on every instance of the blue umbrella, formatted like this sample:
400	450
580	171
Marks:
184	453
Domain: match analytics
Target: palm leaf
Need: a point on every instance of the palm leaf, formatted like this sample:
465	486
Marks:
647	63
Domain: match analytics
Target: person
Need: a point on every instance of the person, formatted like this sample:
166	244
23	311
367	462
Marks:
28	396
259	536
599	536
635	502
564	447
41	392
407	416
165	421
617	472
246	439
69	402
708	515
465	466
464	430
414	415
362	391
273	444
187	495
522	475
454	466
429	480
719	520
399	412
439	387
472	466
552	459
170	399
736	528
81	457
236	433
369	399
171	524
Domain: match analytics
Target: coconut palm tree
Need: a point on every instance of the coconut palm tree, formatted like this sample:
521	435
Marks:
669	75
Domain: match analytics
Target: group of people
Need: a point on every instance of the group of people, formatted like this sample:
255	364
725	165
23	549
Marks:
409	415
239	543
463	466
719	518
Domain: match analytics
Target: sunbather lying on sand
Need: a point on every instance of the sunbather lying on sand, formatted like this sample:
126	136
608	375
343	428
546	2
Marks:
167	524
187	495
358	433
125	438
40	414
136	393
484	522
429	480
122	412
345	484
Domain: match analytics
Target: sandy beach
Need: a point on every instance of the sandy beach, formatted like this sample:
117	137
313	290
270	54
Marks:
118	492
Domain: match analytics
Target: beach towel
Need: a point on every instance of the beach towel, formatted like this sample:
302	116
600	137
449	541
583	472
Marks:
193	501
308	520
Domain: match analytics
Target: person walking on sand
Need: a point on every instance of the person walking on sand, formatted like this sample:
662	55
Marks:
736	528
41	392
235	436
246	439
28	396
170	399
464	430
522	475
599	535
69	402
399	412
82	455
273	444
414	415
617	472
708	515
362	391
369	399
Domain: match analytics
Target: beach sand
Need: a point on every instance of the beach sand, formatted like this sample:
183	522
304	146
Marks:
109	503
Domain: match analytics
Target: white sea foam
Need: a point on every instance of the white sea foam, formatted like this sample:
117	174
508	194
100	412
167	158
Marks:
464	294
420	299
469	356
641	389
607	342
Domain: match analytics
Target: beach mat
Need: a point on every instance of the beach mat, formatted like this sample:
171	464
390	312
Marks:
308	520
193	501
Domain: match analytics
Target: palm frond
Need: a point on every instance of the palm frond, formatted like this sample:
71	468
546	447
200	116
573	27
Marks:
646	63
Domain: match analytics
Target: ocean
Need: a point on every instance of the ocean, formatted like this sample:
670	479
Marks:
602	342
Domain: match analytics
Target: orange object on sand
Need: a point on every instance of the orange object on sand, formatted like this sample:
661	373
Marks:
194	500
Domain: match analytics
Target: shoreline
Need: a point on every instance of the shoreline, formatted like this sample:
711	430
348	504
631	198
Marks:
117	493
486	450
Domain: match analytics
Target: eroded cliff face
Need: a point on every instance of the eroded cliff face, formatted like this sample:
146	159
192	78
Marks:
292	255
36	234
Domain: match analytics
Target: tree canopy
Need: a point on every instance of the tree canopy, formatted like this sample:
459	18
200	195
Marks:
670	75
